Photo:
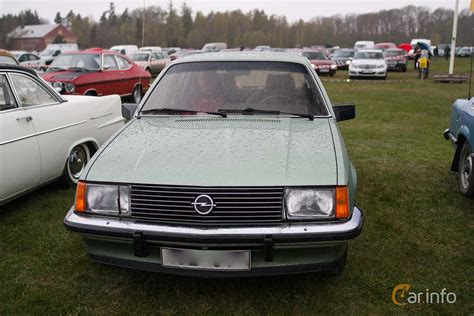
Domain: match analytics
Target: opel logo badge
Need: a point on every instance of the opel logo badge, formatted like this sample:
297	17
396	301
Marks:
203	204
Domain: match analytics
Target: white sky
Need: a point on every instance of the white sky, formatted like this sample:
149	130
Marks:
292	9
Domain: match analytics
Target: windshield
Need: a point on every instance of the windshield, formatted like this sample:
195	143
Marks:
84	61
368	55
7	60
210	86
140	57
314	55
393	53
344	54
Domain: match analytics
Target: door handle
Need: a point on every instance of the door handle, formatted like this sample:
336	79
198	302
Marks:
26	118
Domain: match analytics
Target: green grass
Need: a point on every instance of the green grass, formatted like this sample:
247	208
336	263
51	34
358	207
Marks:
418	230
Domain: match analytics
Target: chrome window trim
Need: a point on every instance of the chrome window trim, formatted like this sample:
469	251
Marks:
128	61
13	93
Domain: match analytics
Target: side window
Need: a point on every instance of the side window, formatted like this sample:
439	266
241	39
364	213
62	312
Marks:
165	55
23	58
30	92
110	63
123	63
7	101
33	57
154	56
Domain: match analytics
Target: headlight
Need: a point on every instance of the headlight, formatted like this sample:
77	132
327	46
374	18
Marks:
103	199
57	85
69	87
381	66
333	66
309	203
348	62
314	66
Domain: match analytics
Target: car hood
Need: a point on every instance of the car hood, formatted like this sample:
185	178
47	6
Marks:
210	151
320	62
62	75
368	62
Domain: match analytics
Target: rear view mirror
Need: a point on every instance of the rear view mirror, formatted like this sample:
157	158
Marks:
344	112
128	109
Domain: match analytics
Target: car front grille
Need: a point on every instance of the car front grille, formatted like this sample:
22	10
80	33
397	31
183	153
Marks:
367	66
233	205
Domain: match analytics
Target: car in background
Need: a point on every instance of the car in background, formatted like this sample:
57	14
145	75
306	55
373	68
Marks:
262	48
151	49
461	134
172	50
27	59
385	46
52	51
465	51
363	45
98	72
214	47
185	52
126	50
396	59
368	63
343	57
45	136
6	58
321	64
161	196
320	48
441	48
153	62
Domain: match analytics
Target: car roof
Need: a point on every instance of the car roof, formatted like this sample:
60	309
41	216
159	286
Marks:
94	50
370	51
17	68
244	56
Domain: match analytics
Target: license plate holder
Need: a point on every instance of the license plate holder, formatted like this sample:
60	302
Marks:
208	260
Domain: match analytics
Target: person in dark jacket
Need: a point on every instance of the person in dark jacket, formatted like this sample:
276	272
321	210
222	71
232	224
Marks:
447	52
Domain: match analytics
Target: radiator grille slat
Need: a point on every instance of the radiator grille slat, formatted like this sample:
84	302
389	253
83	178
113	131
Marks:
233	205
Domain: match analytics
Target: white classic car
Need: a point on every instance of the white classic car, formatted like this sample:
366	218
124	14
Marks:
45	136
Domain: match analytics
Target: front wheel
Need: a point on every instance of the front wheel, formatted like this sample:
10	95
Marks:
466	173
76	163
137	94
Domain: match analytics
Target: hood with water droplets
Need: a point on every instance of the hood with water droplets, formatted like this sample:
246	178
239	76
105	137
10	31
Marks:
212	151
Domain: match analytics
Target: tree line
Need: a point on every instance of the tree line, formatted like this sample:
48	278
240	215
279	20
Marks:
182	27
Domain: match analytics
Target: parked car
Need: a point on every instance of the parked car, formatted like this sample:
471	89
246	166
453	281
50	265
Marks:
45	136
185	52
385	46
151	48
126	50
441	48
27	59
343	57
368	63
52	51
153	62
214	47
465	51
6	58
321	48
98	72
461	134
396	59
363	45
238	169
172	50
320	62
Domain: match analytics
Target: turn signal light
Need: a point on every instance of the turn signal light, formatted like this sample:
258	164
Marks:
80	205
342	202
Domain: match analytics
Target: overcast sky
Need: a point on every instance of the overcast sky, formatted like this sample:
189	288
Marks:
292	9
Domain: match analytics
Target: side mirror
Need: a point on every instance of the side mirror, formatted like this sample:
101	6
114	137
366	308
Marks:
128	109
344	112
56	53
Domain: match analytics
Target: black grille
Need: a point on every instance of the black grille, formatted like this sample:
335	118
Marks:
233	205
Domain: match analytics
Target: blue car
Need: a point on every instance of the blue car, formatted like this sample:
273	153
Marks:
461	134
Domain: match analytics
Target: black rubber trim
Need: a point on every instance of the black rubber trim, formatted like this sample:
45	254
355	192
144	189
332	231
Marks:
122	233
266	271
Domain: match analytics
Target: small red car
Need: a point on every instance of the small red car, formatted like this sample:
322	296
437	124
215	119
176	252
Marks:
396	59
320	62
97	72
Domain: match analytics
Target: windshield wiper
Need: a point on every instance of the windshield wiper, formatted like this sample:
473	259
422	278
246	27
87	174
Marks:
78	68
251	111
51	69
173	110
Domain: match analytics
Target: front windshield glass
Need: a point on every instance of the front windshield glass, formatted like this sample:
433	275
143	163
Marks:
210	86
83	61
314	55
393	53
346	54
140	57
368	55
7	60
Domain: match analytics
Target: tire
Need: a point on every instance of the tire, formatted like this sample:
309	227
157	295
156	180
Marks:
466	171
91	94
149	71
137	94
75	164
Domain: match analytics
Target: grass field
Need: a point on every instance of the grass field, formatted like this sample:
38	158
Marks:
418	230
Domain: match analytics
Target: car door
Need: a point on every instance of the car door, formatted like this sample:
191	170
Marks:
51	119
113	76
20	159
129	78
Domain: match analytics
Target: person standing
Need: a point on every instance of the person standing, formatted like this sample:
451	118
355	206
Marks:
447	52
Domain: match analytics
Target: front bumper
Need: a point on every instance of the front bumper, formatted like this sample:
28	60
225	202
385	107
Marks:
367	73
282	249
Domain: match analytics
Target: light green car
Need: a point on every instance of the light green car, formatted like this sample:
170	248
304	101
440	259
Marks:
232	165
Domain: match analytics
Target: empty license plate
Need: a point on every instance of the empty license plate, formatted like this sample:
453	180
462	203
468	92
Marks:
227	260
